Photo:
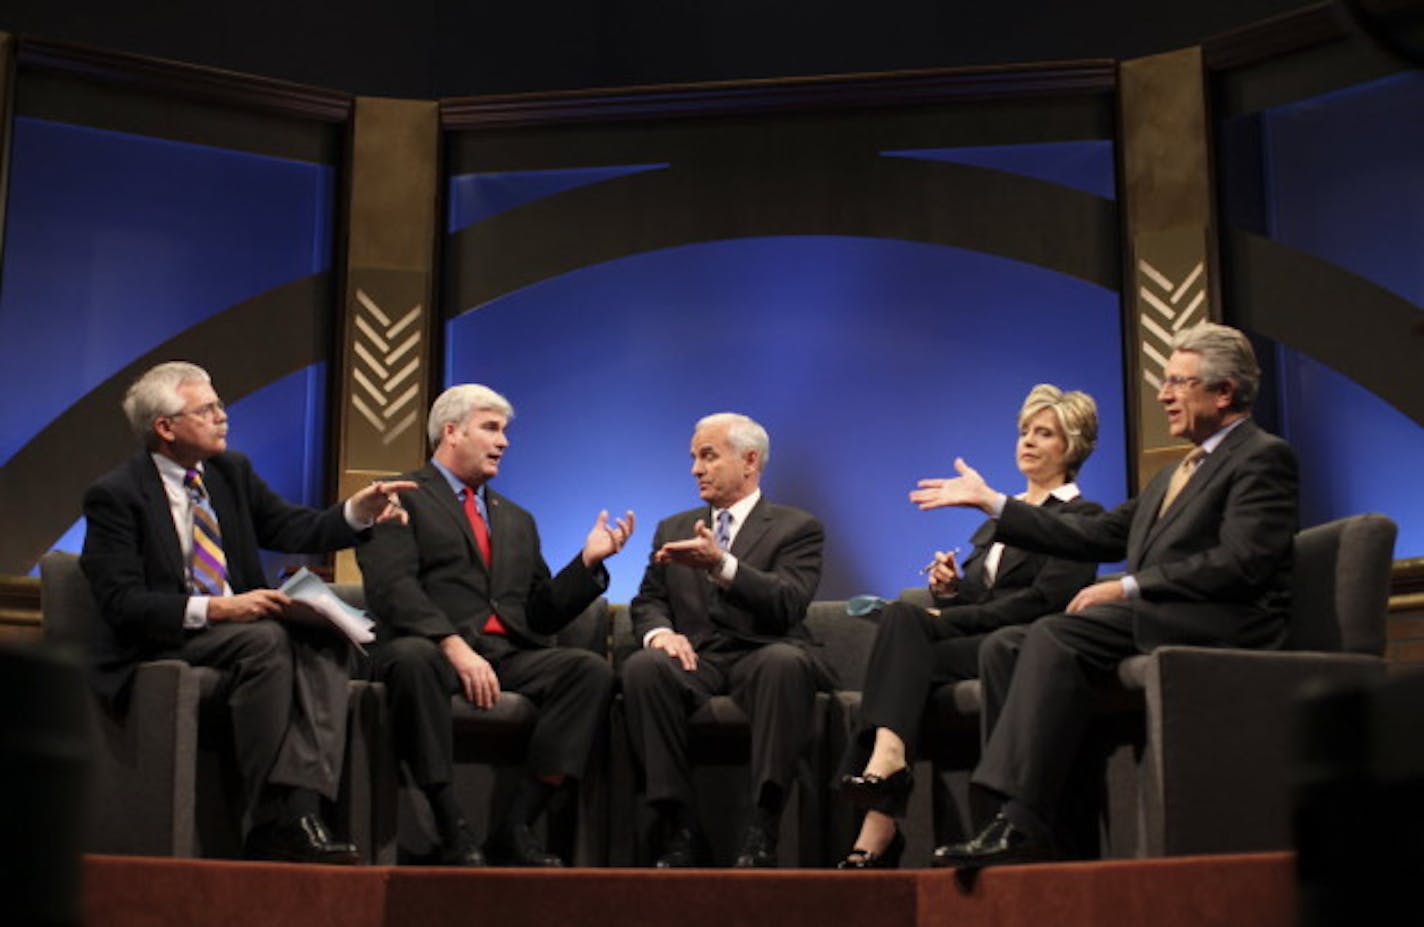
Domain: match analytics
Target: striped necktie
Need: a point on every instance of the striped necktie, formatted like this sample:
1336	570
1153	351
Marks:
207	568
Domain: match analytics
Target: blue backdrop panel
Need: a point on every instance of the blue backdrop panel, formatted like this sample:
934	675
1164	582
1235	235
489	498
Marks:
871	362
1081	165
476	197
1345	185
280	427
116	242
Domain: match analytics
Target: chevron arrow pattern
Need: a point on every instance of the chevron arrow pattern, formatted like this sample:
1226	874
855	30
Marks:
1167	306
386	367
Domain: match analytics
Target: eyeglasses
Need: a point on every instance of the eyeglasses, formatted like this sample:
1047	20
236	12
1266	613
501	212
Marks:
210	410
1179	384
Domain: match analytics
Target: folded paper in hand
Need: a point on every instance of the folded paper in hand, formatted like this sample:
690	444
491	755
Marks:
327	608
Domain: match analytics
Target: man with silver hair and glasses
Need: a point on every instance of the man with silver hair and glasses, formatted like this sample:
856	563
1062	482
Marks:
171	550
468	606
720	610
1208	551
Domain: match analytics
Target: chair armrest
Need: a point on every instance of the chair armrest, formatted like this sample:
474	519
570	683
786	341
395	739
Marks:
147	759
1219	736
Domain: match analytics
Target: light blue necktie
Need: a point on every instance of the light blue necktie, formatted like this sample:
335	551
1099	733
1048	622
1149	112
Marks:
724	529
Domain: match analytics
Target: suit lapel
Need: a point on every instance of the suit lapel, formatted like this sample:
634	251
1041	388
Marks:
1013	558
750	534
498	529
1207	471
168	551
434	483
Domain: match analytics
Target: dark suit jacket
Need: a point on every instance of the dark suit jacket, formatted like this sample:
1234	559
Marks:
135	564
1215	568
778	553
428	579
1028	585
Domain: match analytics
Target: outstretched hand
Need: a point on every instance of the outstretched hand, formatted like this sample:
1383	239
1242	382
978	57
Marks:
379	503
699	551
604	539
966	490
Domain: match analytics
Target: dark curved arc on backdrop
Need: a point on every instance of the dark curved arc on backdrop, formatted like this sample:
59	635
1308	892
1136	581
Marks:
1009	215
1352	325
244	347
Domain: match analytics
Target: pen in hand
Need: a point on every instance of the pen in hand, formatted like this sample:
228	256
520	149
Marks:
931	565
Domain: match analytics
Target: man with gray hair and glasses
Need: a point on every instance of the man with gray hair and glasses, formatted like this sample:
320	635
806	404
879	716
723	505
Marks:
1208	549
720	611
171	551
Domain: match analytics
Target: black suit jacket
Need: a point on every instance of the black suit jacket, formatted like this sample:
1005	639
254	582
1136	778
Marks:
1215	568
428	579
778	553
1028	584
135	564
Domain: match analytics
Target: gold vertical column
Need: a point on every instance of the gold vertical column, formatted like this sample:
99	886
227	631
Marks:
388	325
1170	231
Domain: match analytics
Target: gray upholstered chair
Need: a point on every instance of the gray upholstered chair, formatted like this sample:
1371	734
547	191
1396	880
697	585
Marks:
1213	775
719	745
489	759
147	796
165	779
1207	770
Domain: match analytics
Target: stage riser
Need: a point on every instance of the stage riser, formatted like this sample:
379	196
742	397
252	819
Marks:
1220	891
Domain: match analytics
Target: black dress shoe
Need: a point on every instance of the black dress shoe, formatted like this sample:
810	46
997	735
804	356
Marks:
1002	843
462	851
758	848
679	850
303	839
888	858
889	795
517	846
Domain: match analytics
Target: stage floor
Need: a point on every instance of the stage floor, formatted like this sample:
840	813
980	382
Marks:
1222	891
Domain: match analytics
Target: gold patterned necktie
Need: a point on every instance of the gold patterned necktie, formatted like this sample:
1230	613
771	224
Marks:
1180	476
207	567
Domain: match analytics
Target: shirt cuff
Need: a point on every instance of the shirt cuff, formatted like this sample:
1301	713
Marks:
725	573
356	524
1130	587
996	508
195	613
648	638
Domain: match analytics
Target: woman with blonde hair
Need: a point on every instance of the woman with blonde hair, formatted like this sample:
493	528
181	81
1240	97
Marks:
917	649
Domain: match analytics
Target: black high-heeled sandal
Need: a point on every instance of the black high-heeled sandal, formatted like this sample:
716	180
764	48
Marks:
888	858
887	794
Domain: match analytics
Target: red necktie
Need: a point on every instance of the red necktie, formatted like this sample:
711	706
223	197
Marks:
482	540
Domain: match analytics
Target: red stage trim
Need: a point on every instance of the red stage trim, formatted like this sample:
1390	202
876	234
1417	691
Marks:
1203	891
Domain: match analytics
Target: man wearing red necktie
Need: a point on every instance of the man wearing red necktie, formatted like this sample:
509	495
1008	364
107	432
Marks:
468	606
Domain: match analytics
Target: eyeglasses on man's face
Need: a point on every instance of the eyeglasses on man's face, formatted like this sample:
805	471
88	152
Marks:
209	410
1179	384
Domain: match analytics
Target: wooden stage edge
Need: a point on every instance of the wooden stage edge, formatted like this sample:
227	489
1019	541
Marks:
1258	889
